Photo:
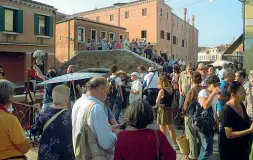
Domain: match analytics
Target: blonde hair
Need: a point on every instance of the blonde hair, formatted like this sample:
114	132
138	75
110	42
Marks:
164	82
60	94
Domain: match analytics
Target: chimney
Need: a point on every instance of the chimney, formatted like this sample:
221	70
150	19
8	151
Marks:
193	20
185	13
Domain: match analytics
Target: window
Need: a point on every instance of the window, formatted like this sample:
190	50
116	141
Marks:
144	34
144	12
81	34
103	35
127	15
98	19
94	35
162	34
11	20
112	17
182	42
121	37
167	15
168	36
112	36
43	25
174	40
161	12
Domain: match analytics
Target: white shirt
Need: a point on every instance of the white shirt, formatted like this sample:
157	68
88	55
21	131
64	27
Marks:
154	82
206	94
97	121
220	74
181	63
118	81
136	86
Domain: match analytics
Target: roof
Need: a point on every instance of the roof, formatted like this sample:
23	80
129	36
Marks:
88	20
38	3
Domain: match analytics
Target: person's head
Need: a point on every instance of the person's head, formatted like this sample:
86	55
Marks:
176	69
134	76
240	66
202	69
229	75
236	91
139	114
141	69
6	93
189	69
224	66
52	73
121	74
88	40
1	73
163	82
114	69
98	87
176	64
60	95
71	69
211	70
212	82
251	79
240	76
196	78
151	69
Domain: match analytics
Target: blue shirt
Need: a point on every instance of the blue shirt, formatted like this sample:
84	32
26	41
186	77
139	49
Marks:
223	87
171	62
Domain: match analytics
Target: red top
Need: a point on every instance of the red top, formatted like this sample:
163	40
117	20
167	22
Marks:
141	144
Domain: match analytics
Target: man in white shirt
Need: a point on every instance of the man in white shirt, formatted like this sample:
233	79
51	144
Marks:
117	97
221	72
136	88
151	84
97	89
181	62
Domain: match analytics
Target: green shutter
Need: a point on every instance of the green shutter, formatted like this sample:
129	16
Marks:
19	21
36	24
50	26
2	18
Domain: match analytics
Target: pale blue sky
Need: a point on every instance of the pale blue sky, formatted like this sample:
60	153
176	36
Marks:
218	22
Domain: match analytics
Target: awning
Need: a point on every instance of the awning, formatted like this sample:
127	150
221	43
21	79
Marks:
234	46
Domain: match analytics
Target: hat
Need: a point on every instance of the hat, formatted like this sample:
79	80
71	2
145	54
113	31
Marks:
201	66
213	79
135	74
121	72
151	69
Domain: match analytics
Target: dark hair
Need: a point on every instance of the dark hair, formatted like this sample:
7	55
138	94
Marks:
52	74
196	77
141	67
95	82
114	68
241	74
233	87
139	114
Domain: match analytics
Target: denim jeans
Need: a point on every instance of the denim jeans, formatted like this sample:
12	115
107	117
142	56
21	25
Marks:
118	102
206	149
181	101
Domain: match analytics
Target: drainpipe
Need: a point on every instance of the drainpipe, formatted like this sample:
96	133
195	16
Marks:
68	39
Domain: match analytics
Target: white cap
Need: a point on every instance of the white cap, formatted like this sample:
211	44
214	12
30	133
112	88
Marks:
135	74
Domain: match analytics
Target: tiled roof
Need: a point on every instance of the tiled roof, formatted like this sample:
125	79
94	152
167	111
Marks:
38	3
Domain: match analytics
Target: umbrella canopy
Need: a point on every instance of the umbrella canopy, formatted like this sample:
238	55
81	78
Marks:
220	63
71	77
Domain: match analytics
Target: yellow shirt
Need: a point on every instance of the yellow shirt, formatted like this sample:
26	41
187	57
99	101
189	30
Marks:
11	133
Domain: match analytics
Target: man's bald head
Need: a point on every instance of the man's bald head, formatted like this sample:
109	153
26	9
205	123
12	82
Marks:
96	82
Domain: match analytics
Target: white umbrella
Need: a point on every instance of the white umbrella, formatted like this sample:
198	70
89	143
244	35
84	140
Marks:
220	63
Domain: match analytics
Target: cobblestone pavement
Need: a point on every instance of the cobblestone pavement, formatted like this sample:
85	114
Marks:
32	154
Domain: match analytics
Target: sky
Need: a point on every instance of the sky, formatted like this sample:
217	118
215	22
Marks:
218	22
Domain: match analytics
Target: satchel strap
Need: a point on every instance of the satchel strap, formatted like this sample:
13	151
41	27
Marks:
87	114
53	118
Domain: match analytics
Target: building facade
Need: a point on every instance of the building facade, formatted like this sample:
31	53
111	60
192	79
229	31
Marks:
154	21
25	26
212	54
72	35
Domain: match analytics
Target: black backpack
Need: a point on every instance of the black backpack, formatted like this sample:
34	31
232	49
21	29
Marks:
113	91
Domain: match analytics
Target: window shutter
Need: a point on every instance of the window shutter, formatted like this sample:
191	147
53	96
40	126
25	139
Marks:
50	26
36	24
19	21
2	18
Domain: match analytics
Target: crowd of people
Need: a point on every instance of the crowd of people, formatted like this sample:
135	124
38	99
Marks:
73	122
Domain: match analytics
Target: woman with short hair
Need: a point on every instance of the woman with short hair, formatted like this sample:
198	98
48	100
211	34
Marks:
13	143
235	134
138	142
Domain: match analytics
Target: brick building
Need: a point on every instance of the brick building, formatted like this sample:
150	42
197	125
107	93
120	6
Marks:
25	26
153	20
72	35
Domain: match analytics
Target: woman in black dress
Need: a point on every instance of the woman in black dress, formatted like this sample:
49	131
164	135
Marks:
236	127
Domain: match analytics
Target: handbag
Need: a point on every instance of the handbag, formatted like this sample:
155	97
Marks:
203	120
183	144
178	121
159	157
145	91
86	147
